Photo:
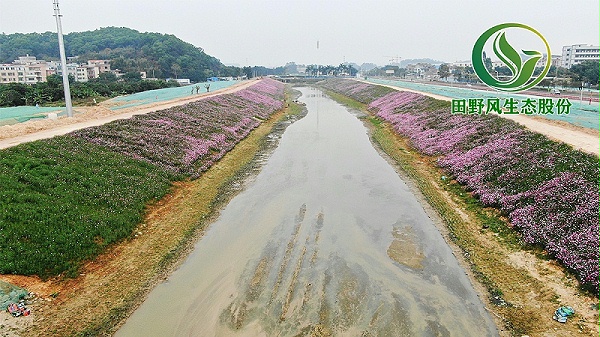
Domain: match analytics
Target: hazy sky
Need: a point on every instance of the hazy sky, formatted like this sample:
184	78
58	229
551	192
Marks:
272	33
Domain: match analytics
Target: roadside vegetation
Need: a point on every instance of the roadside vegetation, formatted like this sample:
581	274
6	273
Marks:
585	73
65	199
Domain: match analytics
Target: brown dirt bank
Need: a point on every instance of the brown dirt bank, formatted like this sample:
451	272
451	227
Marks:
519	285
110	287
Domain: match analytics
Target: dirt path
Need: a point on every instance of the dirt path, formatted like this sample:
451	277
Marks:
580	138
11	135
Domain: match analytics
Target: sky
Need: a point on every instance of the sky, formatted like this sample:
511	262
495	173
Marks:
272	33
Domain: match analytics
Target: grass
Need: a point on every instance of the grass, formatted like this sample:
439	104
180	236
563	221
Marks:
171	227
64	199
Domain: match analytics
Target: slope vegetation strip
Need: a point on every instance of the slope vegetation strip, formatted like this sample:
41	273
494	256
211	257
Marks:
106	288
512	200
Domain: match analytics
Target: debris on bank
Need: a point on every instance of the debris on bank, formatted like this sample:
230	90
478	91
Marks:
561	314
12	299
18	309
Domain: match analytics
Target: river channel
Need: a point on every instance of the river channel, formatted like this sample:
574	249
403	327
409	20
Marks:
327	240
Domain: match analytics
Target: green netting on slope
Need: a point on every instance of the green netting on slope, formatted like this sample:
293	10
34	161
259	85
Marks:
166	94
10	293
14	115
582	114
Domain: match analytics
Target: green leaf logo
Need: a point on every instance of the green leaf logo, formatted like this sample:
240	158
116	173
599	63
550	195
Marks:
522	71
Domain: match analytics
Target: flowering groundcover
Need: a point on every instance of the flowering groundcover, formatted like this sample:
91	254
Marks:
63	200
548	190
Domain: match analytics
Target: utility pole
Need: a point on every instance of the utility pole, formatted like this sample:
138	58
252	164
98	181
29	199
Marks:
63	61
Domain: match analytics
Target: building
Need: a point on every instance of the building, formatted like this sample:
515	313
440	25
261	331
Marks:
55	68
10	73
83	72
422	70
578	53
27	69
461	64
97	67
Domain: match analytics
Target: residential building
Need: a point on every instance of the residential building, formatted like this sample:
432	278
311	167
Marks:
578	53
556	60
422	70
84	72
97	67
10	73
27	69
56	68
81	74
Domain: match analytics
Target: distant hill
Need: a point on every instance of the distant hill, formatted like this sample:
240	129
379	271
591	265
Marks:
129	50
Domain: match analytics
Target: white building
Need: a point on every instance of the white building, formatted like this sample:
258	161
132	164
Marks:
578	53
83	72
56	68
463	64
27	69
97	67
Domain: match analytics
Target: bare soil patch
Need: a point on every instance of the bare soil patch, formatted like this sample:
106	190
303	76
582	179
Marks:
404	249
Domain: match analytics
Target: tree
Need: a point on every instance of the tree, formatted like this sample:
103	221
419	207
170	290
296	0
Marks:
105	78
487	62
128	50
175	69
291	68
132	76
457	73
444	71
586	71
311	70
15	94
504	71
353	71
247	71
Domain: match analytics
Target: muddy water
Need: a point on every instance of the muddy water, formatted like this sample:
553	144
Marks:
327	240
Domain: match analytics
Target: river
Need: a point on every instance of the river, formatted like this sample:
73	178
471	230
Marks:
326	240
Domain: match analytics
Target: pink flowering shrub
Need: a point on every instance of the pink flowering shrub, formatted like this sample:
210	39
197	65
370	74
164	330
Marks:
188	139
548	190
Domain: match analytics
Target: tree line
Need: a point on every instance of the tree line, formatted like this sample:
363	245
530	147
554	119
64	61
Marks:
585	72
329	70
159	55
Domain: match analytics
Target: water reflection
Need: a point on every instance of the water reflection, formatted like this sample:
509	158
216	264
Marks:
327	240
